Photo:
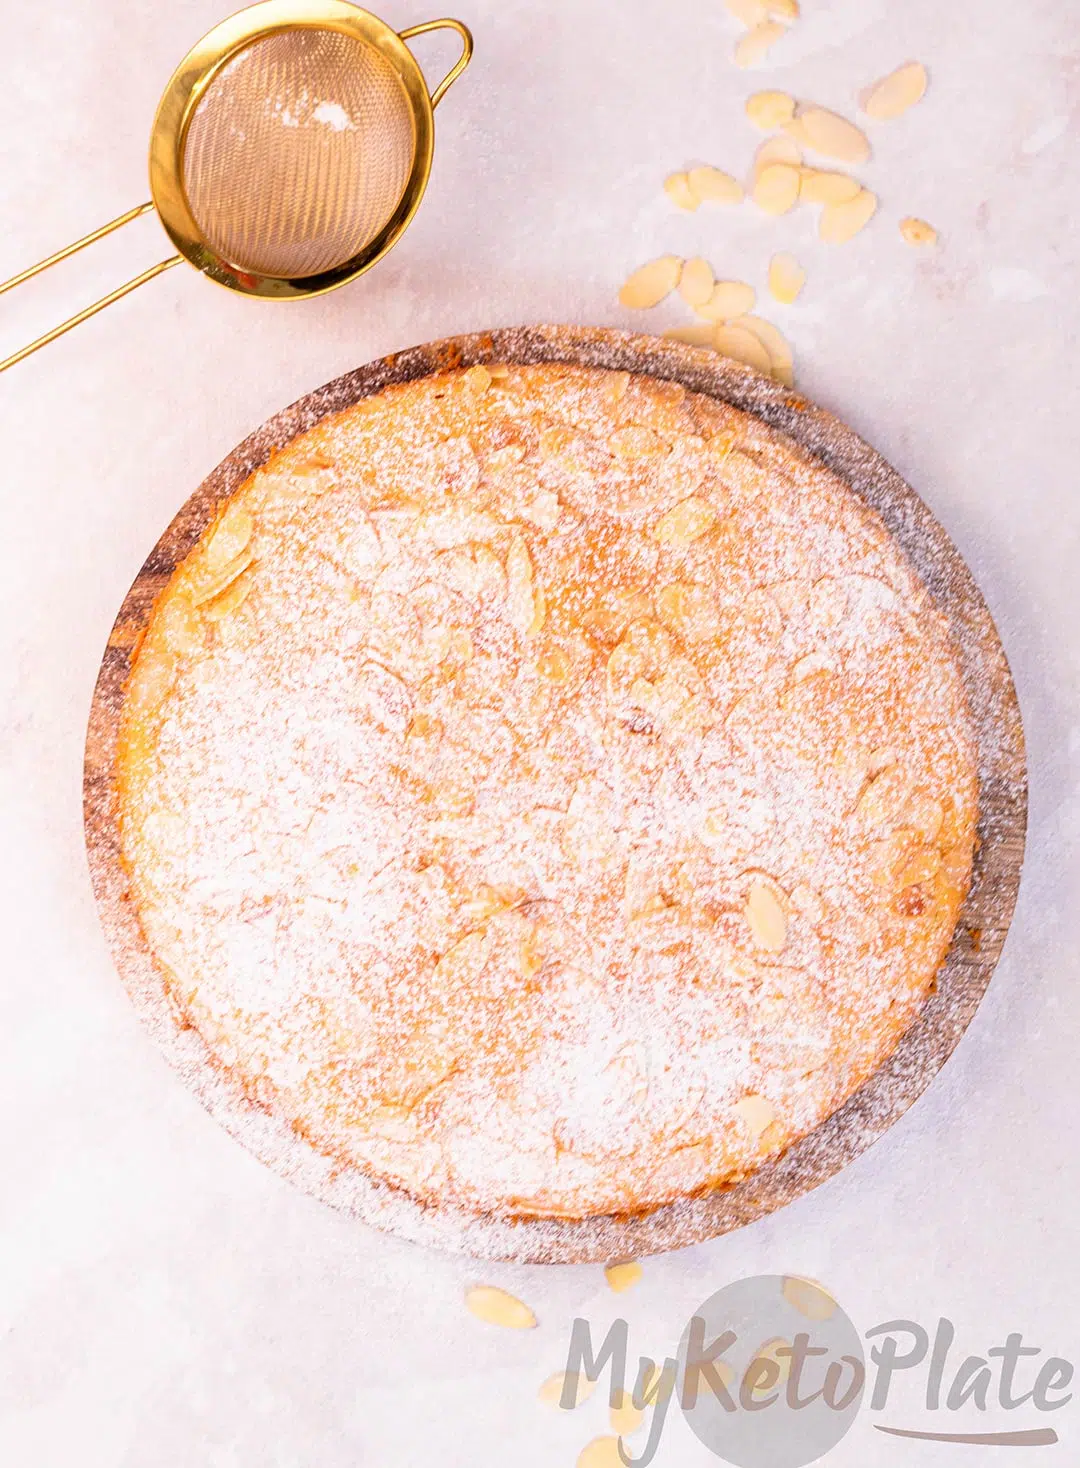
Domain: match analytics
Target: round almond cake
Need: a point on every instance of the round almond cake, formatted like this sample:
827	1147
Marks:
548	790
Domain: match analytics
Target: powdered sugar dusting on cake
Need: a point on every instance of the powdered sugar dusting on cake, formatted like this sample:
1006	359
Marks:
464	751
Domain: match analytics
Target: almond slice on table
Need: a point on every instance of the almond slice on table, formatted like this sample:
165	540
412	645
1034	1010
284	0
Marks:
681	191
778	149
747	12
551	1391
776	188
754	46
497	1307
781	359
651	283
770	110
809	1298
622	1276
917	232
770	1352
830	134
742	346
895	93
786	278
697	334
842	222
696	281
714	186
819	186
625	1418
727	299
602	1452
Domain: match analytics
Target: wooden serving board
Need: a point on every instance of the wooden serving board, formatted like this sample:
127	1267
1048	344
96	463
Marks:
984	918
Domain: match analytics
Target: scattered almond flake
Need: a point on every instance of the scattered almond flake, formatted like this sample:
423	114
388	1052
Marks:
777	1353
499	371
830	134
880	759
776	188
625	1418
778	149
552	1390
623	1275
818	186
478	379
770	110
696	282
842	222
211	584
754	46
809	1298
230	599
602	1452
681	192
651	283
917	231
747	12
231	537
524	604
554	664
756	1112
684	523
884	798
786	278
635	441
742	346
920	867
618	383
497	1307
728	298
809	666
925	815
714	186
181	624
895	93
698	334
786	10
781	360
766	917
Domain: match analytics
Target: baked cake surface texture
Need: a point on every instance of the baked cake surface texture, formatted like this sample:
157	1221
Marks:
547	789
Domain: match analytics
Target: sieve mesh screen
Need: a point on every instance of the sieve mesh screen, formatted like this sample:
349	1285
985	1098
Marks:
299	152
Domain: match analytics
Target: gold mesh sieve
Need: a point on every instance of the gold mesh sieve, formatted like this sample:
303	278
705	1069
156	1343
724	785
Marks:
290	150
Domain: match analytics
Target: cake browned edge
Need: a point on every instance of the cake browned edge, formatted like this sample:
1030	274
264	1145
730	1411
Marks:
981	926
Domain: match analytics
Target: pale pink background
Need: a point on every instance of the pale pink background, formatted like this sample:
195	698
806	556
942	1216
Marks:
166	1302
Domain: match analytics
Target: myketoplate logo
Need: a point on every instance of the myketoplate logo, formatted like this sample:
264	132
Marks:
771	1372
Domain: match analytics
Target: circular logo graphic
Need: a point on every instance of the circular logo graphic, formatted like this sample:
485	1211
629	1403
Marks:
771	1372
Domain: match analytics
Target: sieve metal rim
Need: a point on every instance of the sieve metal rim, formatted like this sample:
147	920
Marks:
196	73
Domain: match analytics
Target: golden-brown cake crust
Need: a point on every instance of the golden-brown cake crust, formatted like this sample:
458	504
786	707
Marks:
553	794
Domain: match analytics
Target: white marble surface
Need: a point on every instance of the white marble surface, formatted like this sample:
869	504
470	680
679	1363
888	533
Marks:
164	1299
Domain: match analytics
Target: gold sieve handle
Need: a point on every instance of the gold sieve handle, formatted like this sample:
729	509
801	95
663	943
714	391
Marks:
87	312
459	65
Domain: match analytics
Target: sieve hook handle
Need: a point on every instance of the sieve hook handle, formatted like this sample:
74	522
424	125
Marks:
459	65
84	315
